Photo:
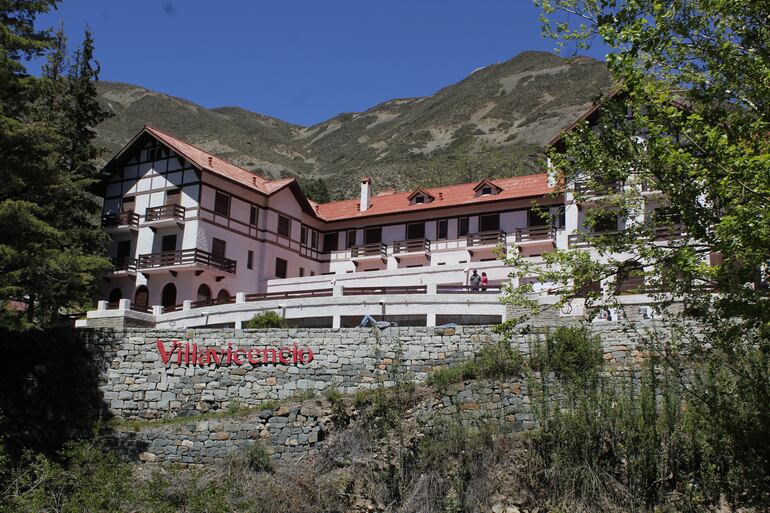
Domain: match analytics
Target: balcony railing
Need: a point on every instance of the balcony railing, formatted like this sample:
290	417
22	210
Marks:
467	289
124	264
127	218
186	257
491	238
364	291
411	246
586	188
584	238
213	301
534	233
672	231
266	296
367	250
165	212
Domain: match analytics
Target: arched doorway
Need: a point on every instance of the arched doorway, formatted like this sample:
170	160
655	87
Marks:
204	292
223	296
141	296
168	295
115	295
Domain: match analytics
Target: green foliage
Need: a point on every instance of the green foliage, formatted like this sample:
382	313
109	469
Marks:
316	190
263	320
498	360
51	245
572	353
259	458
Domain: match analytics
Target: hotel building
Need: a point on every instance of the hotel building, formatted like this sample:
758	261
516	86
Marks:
197	240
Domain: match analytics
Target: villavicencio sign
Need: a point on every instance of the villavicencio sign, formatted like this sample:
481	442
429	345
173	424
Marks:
190	354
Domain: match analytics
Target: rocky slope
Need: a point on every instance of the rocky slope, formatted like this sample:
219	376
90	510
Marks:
492	123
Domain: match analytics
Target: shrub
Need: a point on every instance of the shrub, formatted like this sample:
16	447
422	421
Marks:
258	457
268	319
492	361
572	353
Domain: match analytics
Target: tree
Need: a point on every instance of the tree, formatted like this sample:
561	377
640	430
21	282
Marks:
317	191
689	119
51	246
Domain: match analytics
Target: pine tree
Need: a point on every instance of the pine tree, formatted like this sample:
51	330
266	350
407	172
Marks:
50	241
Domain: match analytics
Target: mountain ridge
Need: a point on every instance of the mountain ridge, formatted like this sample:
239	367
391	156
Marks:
491	123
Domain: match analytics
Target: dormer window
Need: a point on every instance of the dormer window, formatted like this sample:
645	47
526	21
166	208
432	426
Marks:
420	196
486	188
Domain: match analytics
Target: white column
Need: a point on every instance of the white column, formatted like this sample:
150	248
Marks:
124	304
336	321
101	305
431	319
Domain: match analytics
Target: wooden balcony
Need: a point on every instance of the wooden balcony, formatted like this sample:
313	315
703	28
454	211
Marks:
492	238
587	190
411	246
192	258
127	219
669	232
535	236
585	238
174	213
373	250
124	265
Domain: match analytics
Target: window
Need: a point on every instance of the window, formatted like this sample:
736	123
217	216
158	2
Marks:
128	203
204	293
442	229
489	223
280	268
124	254
222	204
605	222
462	226
172	197
314	239
351	239
253	215
218	247
168	243
537	217
415	231
142	296
284	226
373	235
486	190
250	260
331	240
419	199
303	235
301	272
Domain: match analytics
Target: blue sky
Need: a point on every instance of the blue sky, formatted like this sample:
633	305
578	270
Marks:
301	61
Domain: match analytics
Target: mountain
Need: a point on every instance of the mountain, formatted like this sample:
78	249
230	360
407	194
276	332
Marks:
492	123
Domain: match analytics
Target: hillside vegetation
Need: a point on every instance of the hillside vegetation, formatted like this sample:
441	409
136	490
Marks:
492	123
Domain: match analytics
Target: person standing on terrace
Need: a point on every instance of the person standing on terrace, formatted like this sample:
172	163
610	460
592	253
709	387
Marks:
475	281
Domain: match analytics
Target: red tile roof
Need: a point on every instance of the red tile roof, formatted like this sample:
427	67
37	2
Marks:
449	196
216	165
386	202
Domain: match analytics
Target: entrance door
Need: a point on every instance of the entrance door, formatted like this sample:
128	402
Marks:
168	296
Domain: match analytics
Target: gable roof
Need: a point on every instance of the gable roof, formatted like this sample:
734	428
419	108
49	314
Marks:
205	161
487	181
516	187
419	191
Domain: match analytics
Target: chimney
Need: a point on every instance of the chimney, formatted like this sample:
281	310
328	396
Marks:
210	159
366	194
254	180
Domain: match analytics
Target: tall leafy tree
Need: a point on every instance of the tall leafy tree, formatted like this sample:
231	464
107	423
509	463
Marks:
689	119
50	241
